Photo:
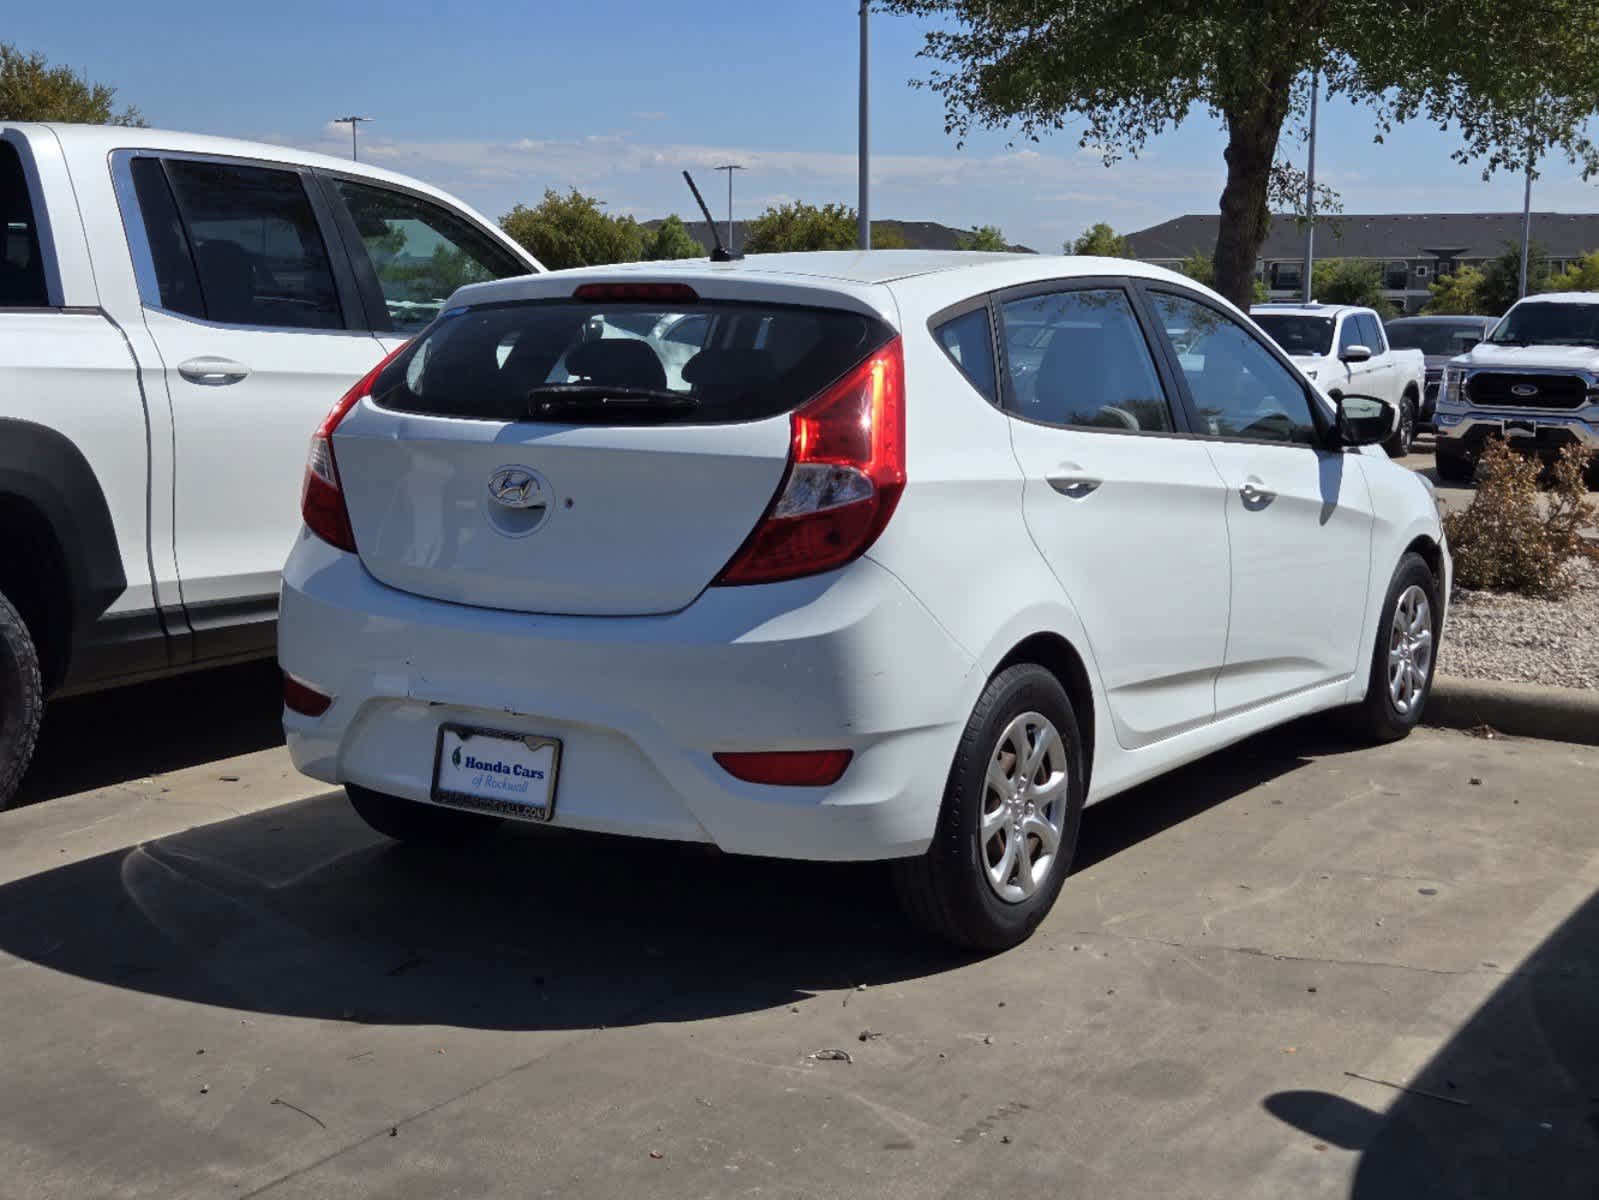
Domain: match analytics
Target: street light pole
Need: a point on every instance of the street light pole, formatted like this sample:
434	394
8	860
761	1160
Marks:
865	233
1310	192
730	168
352	122
1526	226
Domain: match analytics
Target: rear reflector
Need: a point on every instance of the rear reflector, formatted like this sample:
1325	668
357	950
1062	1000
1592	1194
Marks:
613	293
788	768
303	698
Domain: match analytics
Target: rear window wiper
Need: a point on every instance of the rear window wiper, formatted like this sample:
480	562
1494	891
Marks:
610	402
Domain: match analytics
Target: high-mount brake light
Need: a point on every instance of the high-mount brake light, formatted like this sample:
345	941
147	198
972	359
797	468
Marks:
629	293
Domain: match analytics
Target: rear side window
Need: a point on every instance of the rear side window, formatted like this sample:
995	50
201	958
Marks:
22	281
571	362
1371	333
1078	358
969	341
256	246
420	251
177	283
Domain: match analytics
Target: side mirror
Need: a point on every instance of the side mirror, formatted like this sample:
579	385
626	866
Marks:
1365	420
1355	354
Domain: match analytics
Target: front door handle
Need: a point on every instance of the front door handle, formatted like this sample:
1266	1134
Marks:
210	371
1254	495
1072	482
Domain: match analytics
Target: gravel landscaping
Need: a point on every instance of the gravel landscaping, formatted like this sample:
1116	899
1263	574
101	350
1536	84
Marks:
1492	636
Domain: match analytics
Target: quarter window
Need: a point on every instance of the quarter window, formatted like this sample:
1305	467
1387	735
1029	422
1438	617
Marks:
1079	359
969	340
250	237
22	282
1239	389
421	252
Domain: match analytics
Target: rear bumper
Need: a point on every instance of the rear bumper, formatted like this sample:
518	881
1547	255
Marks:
640	704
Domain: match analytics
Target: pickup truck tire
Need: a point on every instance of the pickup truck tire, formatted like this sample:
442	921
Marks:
418	824
21	699
1454	468
1405	436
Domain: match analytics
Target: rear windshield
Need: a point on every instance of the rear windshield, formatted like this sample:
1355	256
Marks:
1297	334
1434	337
571	362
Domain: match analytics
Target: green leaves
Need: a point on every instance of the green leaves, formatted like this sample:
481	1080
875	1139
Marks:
1101	241
32	90
800	226
571	231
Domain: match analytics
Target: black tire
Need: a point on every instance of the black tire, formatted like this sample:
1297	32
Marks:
1453	467
946	891
418	824
1405	436
21	700
1377	718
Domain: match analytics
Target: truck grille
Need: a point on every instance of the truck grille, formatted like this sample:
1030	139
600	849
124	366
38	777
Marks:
1498	389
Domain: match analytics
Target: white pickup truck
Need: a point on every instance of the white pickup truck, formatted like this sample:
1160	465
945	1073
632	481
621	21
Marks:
1344	349
177	313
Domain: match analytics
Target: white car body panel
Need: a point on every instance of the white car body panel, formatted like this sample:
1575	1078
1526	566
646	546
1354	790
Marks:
1139	580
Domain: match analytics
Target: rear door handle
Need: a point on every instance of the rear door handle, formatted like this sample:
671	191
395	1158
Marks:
1252	494
210	371
1070	481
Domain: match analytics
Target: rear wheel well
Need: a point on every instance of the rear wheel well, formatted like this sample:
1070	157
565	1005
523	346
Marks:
1058	656
33	576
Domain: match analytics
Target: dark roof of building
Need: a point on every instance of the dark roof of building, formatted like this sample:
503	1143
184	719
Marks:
919	235
1393	235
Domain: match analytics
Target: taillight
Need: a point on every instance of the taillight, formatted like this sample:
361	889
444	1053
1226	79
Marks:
322	500
846	470
787	768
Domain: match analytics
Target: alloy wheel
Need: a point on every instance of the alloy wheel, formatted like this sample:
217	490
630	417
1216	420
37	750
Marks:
1409	650
1023	814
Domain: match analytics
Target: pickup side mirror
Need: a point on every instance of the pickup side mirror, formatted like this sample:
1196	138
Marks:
1355	354
1365	420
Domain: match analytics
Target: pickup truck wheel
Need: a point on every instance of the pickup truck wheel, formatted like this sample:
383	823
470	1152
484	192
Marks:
21	699
1404	437
1452	467
418	824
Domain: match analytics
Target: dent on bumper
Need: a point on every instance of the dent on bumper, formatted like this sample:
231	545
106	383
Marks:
641	703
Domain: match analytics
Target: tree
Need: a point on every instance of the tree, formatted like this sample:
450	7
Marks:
988	238
1123	71
1101	241
1350	281
32	90
1459	294
1501	277
1580	276
571	231
1199	267
888	237
670	239
800	226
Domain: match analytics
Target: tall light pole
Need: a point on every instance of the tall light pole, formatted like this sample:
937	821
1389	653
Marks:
1310	192
865	234
352	122
730	168
1526	225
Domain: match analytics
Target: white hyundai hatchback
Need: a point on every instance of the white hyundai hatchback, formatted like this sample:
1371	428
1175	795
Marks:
842	556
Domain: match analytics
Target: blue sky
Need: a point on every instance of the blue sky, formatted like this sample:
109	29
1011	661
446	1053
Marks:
498	101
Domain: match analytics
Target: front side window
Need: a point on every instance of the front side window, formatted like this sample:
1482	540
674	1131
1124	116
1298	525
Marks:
1371	333
254	244
1079	359
1239	389
22	282
420	251
1349	334
969	341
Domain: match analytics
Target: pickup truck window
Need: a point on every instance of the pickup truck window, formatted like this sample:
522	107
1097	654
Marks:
22	282
1548	323
1371	333
1350	334
175	276
420	252
254	244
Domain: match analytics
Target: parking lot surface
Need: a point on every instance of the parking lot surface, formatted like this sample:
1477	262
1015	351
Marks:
217	982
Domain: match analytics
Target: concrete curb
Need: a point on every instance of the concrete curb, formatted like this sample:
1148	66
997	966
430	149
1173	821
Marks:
1523	709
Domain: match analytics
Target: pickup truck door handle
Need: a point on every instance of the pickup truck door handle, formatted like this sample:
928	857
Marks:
1070	481
210	371
1253	495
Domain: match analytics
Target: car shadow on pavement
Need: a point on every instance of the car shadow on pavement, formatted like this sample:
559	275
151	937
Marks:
301	910
106	738
1508	1108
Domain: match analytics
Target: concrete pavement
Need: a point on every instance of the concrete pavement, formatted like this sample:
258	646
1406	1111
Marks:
218	983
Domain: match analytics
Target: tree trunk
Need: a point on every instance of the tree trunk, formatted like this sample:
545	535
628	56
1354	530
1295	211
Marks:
1251	149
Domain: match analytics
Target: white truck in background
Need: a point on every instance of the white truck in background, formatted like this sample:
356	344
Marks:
177	314
1343	348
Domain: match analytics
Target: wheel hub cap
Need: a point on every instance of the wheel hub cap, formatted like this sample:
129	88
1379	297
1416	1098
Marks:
1023	813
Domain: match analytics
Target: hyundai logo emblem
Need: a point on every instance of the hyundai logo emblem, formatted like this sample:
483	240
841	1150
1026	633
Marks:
1524	389
518	487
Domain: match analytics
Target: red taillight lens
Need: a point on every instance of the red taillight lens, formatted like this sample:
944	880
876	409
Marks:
845	475
611	293
787	768
322	499
302	698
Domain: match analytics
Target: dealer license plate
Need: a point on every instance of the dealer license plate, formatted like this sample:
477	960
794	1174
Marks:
490	771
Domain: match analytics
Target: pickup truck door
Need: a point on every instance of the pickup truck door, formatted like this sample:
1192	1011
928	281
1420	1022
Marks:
258	324
1383	377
